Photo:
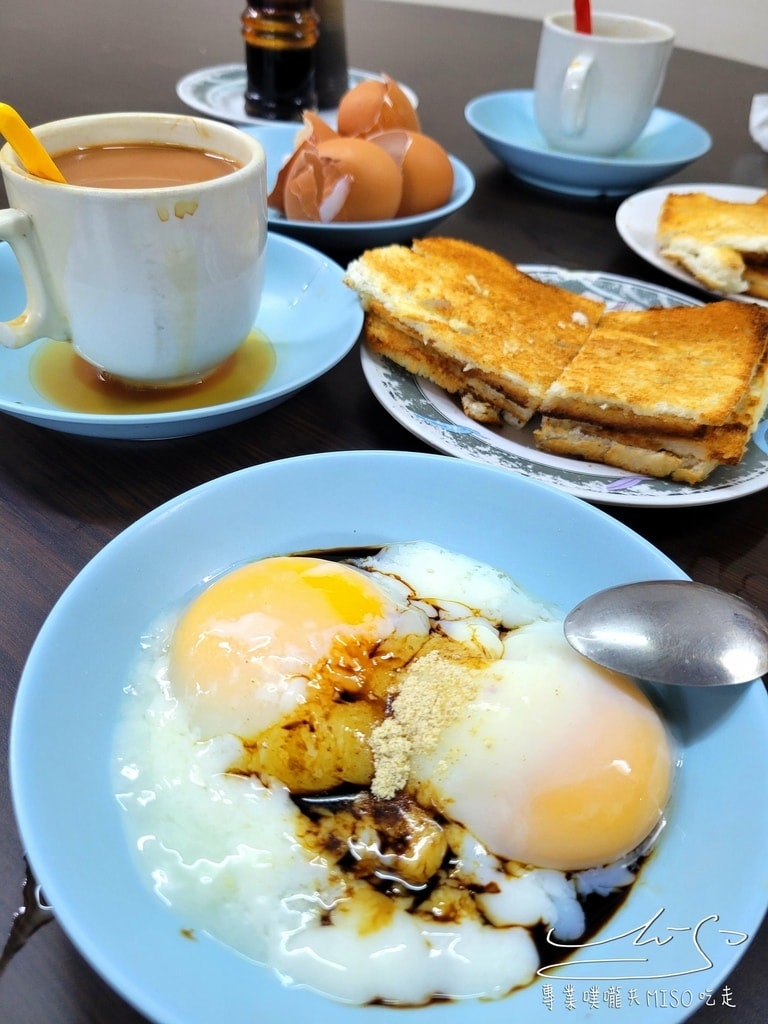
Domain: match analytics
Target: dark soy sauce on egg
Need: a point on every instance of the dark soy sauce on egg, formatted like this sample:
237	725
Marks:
598	909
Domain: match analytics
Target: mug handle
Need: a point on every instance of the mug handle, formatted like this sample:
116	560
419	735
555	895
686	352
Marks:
41	318
573	97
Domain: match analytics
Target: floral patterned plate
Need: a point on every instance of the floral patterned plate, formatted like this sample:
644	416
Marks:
437	418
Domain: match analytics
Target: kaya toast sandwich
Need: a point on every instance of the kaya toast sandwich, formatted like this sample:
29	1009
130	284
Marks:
471	322
722	244
663	392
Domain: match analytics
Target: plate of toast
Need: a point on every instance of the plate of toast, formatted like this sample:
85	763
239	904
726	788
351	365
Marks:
713	237
615	390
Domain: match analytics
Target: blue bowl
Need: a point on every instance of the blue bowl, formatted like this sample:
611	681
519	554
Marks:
557	547
278	143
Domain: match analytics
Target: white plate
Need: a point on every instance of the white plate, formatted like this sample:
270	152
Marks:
701	894
353	236
505	123
437	418
637	217
220	92
308	314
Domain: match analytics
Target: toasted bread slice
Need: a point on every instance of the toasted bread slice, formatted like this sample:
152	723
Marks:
484	397
722	244
687	402
756	276
674	370
647	455
684	459
469	320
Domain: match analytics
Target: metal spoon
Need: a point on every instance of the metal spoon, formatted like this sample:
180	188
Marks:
672	631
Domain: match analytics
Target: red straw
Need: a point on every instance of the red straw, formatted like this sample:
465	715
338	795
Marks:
583	16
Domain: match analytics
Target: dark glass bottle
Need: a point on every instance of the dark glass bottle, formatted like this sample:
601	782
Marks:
280	45
332	73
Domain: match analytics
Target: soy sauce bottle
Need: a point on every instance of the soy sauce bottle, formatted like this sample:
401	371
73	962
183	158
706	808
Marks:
280	44
331	71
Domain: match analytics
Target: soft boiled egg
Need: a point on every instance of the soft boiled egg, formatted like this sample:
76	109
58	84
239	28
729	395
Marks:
389	778
282	653
250	647
552	761
496	723
545	757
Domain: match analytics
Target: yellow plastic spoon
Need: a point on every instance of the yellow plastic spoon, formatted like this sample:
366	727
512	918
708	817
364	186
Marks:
27	146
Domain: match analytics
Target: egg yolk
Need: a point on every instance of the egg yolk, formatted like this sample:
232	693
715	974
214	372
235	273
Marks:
243	653
615	790
556	763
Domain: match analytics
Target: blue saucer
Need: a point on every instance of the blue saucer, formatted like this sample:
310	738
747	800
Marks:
505	123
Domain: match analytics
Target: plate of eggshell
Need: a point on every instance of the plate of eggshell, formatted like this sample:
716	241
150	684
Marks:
373	179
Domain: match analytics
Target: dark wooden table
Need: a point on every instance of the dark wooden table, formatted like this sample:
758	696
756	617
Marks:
63	497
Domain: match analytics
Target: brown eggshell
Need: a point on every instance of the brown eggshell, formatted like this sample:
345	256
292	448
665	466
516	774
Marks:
313	131
425	167
343	180
375	106
315	128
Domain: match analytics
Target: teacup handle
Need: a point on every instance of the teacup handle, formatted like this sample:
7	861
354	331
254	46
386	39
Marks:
573	98
42	317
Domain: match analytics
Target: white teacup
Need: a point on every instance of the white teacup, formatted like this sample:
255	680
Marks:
153	285
594	93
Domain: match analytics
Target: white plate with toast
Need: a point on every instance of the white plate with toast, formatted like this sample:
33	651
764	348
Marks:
436	417
637	217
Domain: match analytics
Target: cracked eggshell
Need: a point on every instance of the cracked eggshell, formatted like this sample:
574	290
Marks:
341	180
425	166
313	131
375	106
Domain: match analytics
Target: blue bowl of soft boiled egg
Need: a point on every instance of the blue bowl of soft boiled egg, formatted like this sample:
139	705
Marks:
330	749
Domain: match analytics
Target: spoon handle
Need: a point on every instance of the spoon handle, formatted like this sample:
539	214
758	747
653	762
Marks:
28	918
28	148
582	16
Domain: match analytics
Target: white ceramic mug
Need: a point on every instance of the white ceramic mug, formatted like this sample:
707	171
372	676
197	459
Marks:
594	93
154	286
